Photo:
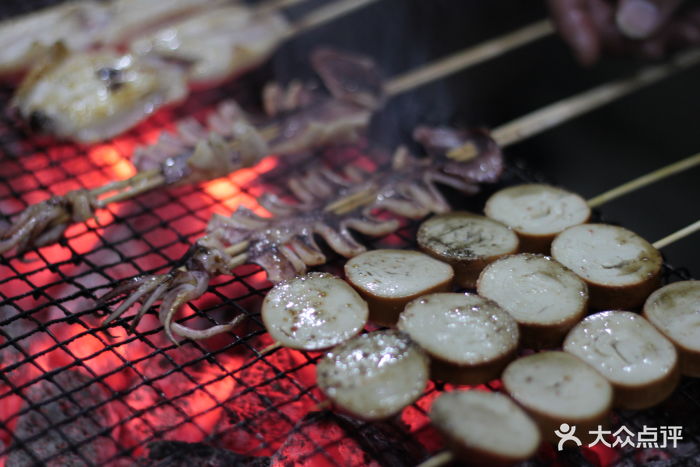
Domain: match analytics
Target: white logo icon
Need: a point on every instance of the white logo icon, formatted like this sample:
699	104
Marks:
566	434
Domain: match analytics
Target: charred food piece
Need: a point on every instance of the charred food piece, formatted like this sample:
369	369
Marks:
466	241
485	428
389	279
313	312
537	213
470	339
620	267
675	311
638	360
556	388
375	375
93	96
544	297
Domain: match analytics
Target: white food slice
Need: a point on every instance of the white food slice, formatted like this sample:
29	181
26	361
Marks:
675	311
637	359
313	312
219	43
375	375
389	279
25	39
544	297
485	427
556	388
537	213
466	241
93	96
620	267
469	338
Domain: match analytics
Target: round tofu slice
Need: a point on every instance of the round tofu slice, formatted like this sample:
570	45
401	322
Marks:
375	375
537	213
675	311
466	241
544	297
486	428
313	312
389	279
556	388
638	360
620	267
470	339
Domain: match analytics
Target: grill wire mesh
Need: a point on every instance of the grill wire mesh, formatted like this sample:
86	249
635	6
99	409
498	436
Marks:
74	392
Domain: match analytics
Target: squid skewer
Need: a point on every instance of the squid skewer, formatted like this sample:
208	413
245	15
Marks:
98	94
458	159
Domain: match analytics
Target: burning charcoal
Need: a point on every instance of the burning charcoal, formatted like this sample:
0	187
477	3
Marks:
62	425
182	454
264	408
336	436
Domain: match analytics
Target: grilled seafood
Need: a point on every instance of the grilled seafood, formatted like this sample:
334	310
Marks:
329	205
217	44
80	25
301	119
94	95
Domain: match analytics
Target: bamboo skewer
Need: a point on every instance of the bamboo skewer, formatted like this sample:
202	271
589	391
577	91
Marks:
645	180
678	235
469	57
326	14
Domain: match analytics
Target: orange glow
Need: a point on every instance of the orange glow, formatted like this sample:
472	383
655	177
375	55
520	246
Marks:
221	189
105	155
123	169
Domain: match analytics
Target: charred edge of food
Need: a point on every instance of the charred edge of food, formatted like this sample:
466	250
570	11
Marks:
44	223
113	78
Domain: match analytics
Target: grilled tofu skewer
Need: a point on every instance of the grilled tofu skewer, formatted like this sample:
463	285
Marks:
445	146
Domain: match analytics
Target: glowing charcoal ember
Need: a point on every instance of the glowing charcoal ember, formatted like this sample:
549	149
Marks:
57	418
321	437
187	454
265	404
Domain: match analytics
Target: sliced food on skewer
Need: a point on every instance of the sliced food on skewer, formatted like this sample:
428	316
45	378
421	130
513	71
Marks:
544	297
375	375
466	241
389	279
537	213
675	311
638	360
469	339
557	388
313	312
485	428
620	267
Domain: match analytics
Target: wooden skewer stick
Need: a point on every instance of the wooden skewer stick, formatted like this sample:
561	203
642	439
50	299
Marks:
326	14
469	57
566	109
678	235
645	180
270	348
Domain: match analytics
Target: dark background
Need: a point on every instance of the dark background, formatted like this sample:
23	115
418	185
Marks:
591	154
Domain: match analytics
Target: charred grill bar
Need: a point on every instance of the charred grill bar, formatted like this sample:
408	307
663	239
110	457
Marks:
73	393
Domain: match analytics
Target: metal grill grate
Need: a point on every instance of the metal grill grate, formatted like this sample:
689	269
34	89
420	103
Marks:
73	391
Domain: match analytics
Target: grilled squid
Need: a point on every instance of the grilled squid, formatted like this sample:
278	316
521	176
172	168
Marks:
92	96
80	25
329	205
217	44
